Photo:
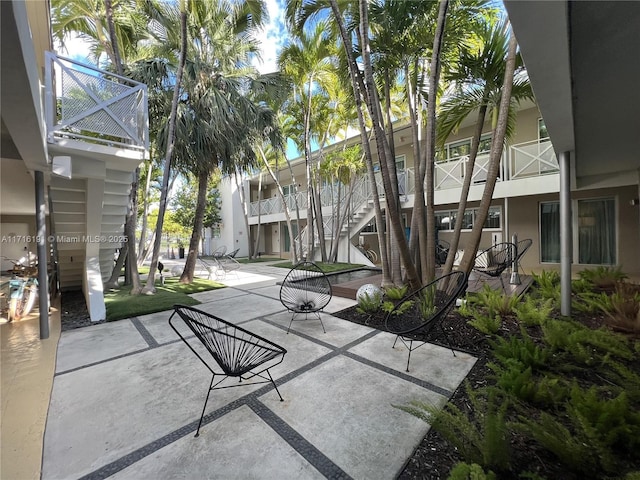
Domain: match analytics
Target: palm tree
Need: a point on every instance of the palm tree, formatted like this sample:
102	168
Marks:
150	285
497	147
307	61
478	79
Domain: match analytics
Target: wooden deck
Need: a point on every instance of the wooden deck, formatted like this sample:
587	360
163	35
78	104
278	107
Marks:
476	283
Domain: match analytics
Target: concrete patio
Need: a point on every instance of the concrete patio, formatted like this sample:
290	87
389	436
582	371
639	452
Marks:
127	396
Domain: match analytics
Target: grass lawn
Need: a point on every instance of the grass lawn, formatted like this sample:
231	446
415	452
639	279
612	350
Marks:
122	305
325	267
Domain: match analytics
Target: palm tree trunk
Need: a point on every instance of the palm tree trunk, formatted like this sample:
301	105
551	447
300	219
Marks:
466	185
150	285
198	220
145	212
429	263
497	147
384	152
358	93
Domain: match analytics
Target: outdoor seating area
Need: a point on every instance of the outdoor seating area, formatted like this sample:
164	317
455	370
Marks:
336	417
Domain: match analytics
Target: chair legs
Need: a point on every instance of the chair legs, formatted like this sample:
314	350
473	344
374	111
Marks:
306	316
411	348
215	387
205	405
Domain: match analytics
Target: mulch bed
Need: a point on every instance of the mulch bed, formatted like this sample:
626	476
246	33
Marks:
435	457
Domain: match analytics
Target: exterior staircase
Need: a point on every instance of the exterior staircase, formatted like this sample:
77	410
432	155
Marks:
69	201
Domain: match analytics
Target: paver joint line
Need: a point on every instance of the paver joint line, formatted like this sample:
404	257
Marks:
310	452
142	330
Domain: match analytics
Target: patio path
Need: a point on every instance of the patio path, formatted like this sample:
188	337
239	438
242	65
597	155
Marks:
127	396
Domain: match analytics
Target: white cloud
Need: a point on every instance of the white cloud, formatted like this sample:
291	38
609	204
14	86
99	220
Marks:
271	37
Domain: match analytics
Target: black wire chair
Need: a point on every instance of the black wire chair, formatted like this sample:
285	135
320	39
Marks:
442	251
521	248
495	260
236	351
419	312
305	290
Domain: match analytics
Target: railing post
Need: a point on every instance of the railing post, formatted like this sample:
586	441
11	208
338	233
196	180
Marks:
515	276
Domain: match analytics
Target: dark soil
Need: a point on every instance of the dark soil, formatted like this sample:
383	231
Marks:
435	456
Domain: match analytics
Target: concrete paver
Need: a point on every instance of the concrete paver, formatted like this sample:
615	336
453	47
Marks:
127	397
238	445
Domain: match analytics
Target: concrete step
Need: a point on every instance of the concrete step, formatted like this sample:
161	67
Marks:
70	196
60	218
113	199
75	184
65	207
119	176
117	188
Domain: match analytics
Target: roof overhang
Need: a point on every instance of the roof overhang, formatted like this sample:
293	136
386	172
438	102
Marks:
581	59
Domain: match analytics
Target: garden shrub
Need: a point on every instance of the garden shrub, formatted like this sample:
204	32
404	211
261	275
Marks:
496	302
487	324
482	439
548	286
470	471
604	277
622	307
369	304
396	293
522	349
533	311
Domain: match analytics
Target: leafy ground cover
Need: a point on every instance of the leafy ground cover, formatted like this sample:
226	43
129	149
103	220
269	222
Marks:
549	397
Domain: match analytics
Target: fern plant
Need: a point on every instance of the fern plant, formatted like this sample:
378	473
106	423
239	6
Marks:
533	311
484	438
369	304
395	294
496	302
604	277
521	349
470	471
622	307
548	286
487	324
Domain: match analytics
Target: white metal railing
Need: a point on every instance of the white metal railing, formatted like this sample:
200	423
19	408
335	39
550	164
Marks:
89	104
524	160
532	159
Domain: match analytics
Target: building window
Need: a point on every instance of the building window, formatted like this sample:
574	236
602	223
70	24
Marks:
550	232
446	219
542	130
597	232
461	148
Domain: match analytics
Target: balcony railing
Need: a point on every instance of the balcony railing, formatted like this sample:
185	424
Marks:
520	161
92	105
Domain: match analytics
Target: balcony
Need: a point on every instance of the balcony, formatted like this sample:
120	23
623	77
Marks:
95	106
524	160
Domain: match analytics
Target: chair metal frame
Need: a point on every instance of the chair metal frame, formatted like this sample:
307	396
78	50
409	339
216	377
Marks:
521	248
411	325
234	350
493	261
305	290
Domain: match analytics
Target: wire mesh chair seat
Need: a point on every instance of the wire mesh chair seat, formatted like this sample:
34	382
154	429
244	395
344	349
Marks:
305	290
442	251
234	350
210	267
219	252
419	312
494	260
521	248
225	265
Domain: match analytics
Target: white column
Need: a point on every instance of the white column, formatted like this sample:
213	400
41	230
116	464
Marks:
92	278
566	234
